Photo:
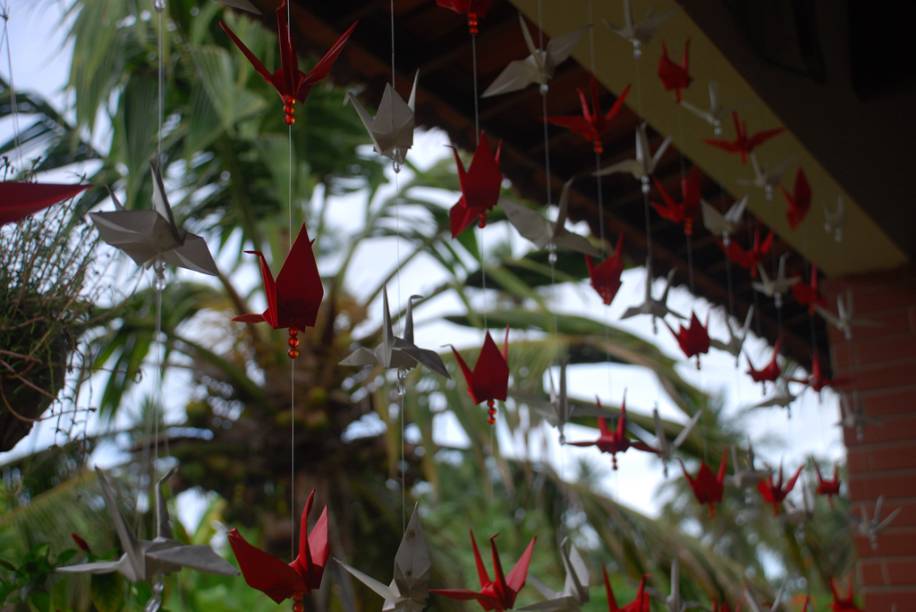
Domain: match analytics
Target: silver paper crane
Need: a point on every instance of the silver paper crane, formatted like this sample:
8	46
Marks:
782	396
391	129
844	319
736	337
854	417
409	589
767	177
638	33
656	308
713	114
538	67
871	526
397	353
835	220
775	287
643	165
664	447
575	589
744	477
724	225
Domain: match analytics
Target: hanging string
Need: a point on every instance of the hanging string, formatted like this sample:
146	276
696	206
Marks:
292	362
480	244
14	108
548	179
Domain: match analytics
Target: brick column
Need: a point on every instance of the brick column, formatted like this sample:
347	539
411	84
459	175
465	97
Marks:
881	364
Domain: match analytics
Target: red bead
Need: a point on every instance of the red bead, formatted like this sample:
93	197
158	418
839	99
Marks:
293	342
482	220
293	353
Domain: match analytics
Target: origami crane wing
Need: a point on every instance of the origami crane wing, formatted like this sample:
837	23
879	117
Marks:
561	47
193	255
122	565
428	358
323	67
518	74
161	202
265	572
298	288
198	557
143	235
531	225
249	55
626	166
244	5
682	436
491	372
519	574
132	547
270	291
369	123
19	200
412	563
714	221
382	590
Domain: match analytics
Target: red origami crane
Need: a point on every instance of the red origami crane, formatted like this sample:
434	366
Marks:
743	144
749	259
640	604
771	371
294	298
684	211
817	380
591	125
490	379
275	578
479	186
843	604
827	488
291	83
806	604
799	201
774	492
675	77
615	441
723	607
694	339
807	294
19	200
500	592
605	277
474	9
708	487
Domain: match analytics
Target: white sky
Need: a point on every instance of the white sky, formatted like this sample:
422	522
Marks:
41	64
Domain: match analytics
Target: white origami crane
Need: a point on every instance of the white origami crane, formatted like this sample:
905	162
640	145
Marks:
150	235
244	5
854	417
674	603
656	308
844	320
766	177
397	353
538	67
735	343
391	130
409	589
545	234
638	33
575	589
782	396
144	559
663	446
723	224
742	477
871	527
755	607
643	166
714	113
557	409
775	287
835	220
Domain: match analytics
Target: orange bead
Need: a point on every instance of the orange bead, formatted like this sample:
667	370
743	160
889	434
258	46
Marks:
293	353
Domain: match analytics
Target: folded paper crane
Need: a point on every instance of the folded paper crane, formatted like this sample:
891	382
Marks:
480	185
743	477
292	84
808	294
638	33
835	220
799	201
871	527
778	286
782	396
605	276
278	580
693	339
683	211
840	603
592	123
736	337
558	409
489	381
409	589
675	77
816	379
664	448
538	67
474	9
397	353
766	178
714	113
500	592
150	235
18	200
293	299
575	589
843	320
708	487
674	603
616	440
775	491
144	559
852	416
640	603
643	165
743	144
546	234
771	371
391	129
725	225
749	259
827	487
656	308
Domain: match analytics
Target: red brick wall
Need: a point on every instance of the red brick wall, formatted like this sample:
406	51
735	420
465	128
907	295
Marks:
881	363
